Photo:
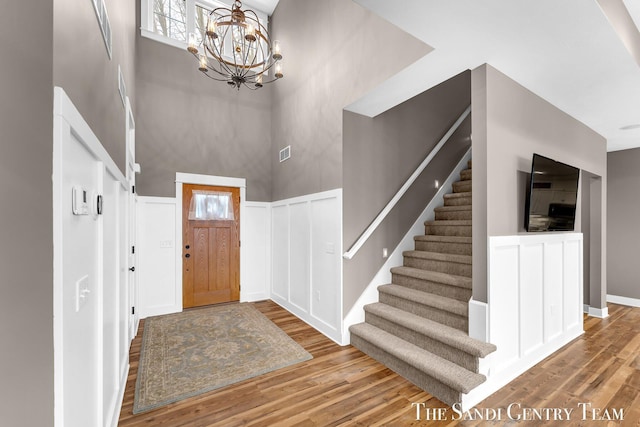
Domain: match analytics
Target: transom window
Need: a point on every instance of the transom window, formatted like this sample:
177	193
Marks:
171	21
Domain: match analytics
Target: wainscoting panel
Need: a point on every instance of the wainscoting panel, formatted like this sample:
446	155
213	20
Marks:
300	262
255	262
280	252
157	289
307	262
534	307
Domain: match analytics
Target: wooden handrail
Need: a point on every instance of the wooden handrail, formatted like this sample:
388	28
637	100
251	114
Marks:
383	214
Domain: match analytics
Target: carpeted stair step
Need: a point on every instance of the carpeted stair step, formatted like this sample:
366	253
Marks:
461	227
453	212
433	282
449	343
439	377
457	199
458	245
462	186
458	265
465	174
447	311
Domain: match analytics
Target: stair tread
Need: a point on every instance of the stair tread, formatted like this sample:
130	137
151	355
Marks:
445	334
449	222
434	276
443	239
424	298
456	195
453	208
448	373
461	259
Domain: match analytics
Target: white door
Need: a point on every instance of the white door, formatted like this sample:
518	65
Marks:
131	209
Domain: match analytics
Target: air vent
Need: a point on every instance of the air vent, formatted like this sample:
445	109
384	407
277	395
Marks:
122	88
105	25
285	153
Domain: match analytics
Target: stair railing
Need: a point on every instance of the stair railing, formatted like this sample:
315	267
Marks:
394	200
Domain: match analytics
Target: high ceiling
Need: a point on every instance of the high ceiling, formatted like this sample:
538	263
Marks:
568	52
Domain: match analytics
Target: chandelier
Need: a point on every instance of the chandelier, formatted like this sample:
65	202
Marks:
236	49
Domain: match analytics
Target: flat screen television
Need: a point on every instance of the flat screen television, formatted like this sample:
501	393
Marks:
552	196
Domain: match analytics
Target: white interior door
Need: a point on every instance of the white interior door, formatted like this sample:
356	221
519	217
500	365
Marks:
131	209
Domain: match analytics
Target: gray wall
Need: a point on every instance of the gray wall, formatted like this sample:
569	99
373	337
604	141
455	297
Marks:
189	123
380	154
81	66
26	234
509	124
334	52
623	230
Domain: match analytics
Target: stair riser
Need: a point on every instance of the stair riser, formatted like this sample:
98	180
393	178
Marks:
455	292
453	215
427	312
457	201
434	387
444	247
461	186
465	175
439	266
448	230
434	346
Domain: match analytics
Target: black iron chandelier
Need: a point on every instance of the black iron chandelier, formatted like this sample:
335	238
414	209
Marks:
236	48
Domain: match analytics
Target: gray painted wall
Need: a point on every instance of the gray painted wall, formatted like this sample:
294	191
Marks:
379	155
26	234
623	231
509	124
189	123
334	52
81	66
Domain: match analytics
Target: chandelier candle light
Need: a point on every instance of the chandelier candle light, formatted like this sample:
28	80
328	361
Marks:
236	48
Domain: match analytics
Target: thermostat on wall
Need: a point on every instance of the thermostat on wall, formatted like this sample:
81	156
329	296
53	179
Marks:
79	203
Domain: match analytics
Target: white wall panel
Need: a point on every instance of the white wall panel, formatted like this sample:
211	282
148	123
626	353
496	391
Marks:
280	251
553	288
157	289
531	297
307	262
89	361
299	259
326	259
255	275
534	307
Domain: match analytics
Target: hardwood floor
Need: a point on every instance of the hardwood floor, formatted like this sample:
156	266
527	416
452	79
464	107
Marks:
343	386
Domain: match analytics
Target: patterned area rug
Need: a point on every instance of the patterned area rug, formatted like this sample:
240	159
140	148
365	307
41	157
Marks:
193	352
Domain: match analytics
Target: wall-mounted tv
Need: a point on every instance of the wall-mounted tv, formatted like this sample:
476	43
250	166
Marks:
552	196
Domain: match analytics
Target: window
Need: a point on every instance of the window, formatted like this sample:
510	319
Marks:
171	21
211	205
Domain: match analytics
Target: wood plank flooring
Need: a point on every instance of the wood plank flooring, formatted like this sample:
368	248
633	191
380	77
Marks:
341	386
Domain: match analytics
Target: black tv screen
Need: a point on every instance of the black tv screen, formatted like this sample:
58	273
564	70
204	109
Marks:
552	196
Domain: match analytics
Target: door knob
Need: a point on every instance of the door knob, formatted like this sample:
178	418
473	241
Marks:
132	269
187	247
187	256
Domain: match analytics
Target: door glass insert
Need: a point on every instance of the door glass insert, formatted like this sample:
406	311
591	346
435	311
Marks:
211	205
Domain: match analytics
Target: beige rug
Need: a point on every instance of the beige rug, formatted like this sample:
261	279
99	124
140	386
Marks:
190	353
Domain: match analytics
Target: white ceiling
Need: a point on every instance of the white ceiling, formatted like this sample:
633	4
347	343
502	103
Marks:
565	51
266	6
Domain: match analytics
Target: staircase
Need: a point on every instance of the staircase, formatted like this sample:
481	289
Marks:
419	326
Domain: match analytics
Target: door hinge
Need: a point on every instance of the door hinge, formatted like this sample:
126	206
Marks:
133	189
133	310
133	249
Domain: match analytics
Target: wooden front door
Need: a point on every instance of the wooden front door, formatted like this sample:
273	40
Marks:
211	250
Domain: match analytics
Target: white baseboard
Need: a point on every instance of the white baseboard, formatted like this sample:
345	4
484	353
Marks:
602	313
631	302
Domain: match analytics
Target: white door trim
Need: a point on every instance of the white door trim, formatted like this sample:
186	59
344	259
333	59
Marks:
221	181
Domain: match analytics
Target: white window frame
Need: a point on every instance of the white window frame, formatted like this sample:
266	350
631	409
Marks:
146	19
